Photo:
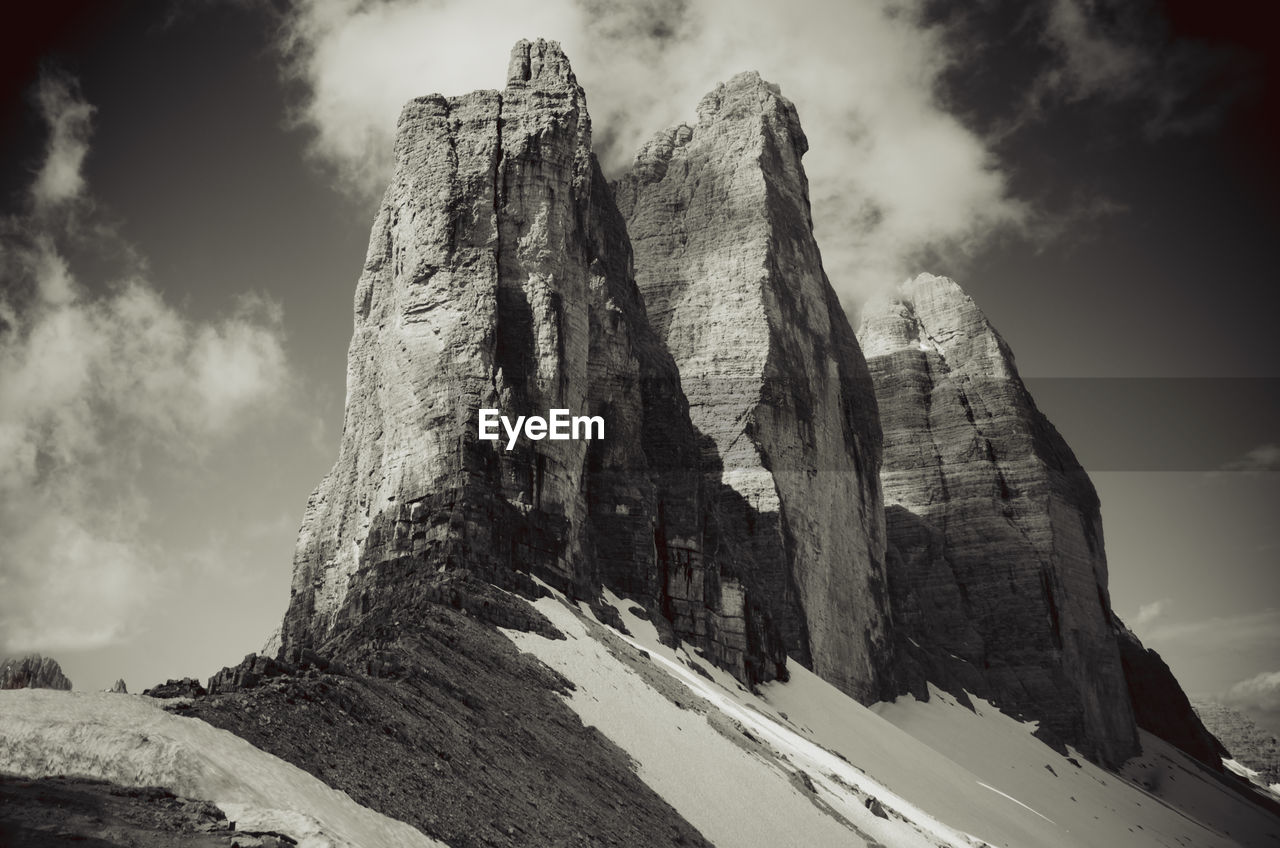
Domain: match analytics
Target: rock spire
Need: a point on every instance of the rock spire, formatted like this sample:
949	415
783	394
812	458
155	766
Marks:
719	218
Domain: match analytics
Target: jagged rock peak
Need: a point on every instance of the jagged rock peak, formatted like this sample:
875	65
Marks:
539	61
32	672
719	218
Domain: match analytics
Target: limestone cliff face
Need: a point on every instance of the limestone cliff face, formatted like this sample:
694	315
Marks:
32	672
719	219
997	571
499	275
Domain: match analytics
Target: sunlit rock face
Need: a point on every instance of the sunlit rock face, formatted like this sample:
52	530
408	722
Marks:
719	218
499	275
997	571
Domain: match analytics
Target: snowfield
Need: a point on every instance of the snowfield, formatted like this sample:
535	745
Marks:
130	740
803	764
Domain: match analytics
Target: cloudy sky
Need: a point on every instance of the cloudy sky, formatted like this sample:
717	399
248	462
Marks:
188	188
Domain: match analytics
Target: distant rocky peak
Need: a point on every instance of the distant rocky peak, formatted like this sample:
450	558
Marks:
32	672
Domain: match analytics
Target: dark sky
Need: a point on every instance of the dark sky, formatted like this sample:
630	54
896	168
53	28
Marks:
1101	178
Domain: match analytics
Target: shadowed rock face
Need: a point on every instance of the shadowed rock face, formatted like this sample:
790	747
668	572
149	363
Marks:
1161	707
32	672
997	571
732	279
499	275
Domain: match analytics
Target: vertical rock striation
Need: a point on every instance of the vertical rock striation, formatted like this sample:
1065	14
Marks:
499	275
997	571
719	219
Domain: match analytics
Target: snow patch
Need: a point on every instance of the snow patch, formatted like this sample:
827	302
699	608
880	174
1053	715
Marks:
1014	800
771	787
942	773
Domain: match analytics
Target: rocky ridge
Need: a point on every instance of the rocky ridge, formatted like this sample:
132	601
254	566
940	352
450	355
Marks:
32	672
719	218
425	712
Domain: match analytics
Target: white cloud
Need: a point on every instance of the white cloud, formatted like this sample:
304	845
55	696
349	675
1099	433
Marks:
1260	693
1094	60
1147	613
361	62
97	384
68	117
1119	51
892	172
1261	458
1240	633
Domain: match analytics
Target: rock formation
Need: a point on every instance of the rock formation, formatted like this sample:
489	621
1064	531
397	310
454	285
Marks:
118	688
187	687
719	218
32	672
737	491
499	275
998	576
1159	704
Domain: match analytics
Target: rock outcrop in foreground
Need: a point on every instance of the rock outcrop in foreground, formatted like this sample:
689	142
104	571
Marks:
719	218
431	716
32	672
499	275
997	570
